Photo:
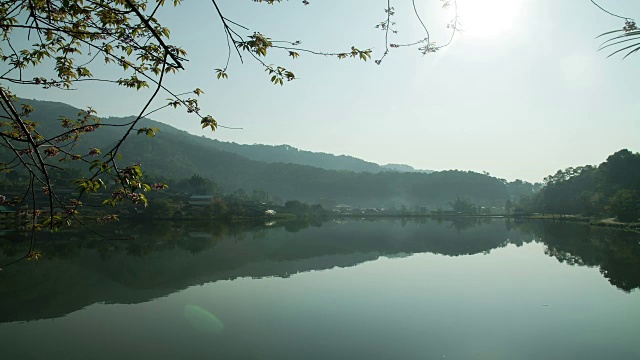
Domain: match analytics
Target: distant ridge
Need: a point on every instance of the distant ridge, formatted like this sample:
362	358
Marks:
403	168
291	155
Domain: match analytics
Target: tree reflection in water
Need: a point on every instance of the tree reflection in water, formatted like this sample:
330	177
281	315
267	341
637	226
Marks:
79	269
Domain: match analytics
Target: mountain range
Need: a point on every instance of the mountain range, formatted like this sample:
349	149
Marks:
283	171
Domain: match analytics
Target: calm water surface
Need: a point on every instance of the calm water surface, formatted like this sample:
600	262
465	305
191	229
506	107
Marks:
338	290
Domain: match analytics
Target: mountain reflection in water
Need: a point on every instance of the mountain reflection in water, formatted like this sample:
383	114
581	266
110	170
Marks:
79	269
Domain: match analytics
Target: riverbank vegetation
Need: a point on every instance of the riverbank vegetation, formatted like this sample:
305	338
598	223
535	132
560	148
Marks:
609	190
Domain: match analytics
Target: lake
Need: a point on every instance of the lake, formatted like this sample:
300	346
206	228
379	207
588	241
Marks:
342	289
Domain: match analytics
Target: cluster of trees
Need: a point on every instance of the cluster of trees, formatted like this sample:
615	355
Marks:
175	202
610	189
228	207
464	207
224	208
196	184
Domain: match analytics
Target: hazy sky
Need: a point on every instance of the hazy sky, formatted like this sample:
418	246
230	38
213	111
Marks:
520	93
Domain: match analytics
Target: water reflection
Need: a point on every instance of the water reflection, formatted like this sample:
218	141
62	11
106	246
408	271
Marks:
615	252
79	269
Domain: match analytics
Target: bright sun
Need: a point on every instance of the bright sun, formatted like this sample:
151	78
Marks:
488	18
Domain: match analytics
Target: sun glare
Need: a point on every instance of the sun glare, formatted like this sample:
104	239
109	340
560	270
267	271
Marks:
489	18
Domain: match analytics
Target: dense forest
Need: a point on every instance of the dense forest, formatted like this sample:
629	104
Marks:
609	189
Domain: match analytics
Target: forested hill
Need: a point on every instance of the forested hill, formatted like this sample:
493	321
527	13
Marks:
269	153
174	154
291	155
609	189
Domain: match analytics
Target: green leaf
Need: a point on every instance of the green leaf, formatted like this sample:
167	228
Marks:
209	121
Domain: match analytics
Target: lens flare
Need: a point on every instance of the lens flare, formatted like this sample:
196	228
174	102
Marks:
203	320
